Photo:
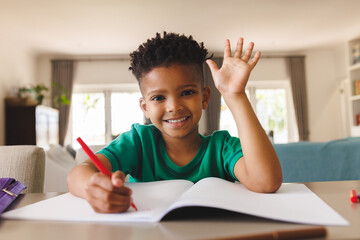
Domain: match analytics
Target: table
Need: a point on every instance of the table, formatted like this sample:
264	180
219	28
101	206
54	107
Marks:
207	225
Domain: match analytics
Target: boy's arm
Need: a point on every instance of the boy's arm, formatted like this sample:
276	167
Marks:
104	194
259	169
79	176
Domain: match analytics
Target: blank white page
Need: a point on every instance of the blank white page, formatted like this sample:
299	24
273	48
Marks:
291	203
152	199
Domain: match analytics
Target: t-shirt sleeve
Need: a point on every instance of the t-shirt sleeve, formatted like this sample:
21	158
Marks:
231	153
124	152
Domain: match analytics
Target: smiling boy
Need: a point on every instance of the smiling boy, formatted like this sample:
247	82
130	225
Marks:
169	71
173	98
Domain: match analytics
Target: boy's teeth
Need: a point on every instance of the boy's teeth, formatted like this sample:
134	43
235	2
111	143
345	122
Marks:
176	121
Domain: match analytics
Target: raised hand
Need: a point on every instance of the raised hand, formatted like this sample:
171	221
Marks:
232	77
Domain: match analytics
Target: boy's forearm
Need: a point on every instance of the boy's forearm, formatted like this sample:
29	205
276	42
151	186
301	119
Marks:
78	177
261	163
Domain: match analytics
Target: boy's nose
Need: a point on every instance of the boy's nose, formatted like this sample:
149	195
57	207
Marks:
174	106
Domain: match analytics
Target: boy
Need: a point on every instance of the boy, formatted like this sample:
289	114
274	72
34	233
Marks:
169	72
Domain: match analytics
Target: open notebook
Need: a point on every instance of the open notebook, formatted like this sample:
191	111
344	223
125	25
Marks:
292	203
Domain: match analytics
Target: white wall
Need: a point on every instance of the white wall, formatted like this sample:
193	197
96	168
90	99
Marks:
112	71
101	72
270	68
325	68
17	69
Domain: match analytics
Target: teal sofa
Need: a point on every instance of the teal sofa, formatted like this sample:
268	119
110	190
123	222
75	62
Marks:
320	161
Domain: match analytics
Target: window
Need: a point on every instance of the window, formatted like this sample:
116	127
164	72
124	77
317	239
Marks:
125	111
272	103
88	117
99	115
272	112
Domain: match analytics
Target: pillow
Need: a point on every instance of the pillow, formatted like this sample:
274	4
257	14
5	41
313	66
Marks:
71	150
60	156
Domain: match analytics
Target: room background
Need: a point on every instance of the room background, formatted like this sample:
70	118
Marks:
25	59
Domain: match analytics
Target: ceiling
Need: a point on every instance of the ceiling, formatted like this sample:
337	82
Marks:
113	27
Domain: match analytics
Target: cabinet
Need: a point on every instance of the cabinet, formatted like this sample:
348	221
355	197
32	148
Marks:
354	77
31	125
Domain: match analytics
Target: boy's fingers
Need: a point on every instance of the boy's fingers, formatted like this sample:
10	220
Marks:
118	178
239	47
248	52
255	59
125	191
97	191
212	65
103	200
102	180
99	205
227	49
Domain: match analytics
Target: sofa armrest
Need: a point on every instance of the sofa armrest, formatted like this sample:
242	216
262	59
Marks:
24	163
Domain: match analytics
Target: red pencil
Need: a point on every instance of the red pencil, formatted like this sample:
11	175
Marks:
97	162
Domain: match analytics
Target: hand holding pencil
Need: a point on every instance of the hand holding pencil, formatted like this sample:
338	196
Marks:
106	195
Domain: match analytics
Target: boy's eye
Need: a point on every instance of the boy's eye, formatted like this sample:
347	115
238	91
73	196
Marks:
187	92
157	98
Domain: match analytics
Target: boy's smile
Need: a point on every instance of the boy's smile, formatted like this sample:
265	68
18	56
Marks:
173	99
177	122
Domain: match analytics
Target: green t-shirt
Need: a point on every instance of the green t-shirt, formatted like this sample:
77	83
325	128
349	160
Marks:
141	153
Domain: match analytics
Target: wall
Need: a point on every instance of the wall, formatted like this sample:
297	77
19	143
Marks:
90	70
270	68
104	71
17	68
325	68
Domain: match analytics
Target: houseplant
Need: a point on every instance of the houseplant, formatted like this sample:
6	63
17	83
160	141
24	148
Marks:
28	96
34	95
62	98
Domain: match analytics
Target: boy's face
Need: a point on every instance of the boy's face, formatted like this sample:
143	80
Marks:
173	99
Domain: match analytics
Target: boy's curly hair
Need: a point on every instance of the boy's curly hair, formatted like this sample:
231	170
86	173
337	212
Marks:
166	50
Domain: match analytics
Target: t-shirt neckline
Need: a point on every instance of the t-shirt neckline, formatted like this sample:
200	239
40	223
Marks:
188	167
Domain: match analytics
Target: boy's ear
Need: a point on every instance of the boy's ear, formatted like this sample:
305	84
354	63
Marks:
142	103
206	97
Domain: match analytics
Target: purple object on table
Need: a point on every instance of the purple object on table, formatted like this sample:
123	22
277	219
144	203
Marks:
9	190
